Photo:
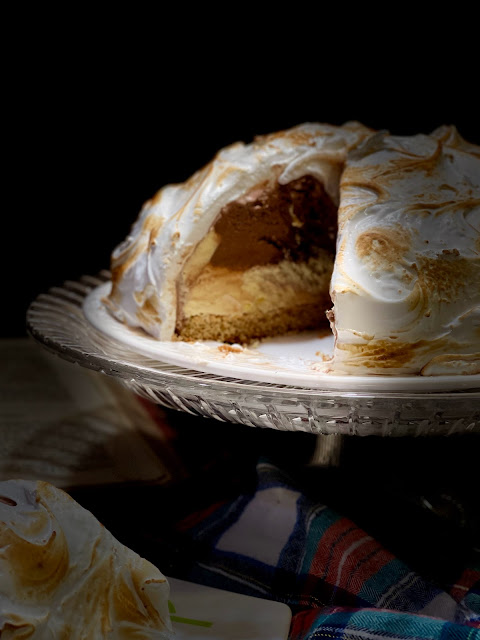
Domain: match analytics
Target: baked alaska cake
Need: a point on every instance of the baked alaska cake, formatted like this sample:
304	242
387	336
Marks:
379	233
63	575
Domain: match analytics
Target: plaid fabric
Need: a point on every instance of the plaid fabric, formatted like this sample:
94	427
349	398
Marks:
338	580
376	624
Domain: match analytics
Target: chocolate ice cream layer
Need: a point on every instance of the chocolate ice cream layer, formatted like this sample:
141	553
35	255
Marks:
274	222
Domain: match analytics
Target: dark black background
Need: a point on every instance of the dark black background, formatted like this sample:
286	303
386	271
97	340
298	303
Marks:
102	113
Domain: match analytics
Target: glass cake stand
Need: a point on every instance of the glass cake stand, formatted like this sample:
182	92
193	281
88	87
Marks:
57	321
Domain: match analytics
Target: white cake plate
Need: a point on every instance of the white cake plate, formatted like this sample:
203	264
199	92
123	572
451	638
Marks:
281	383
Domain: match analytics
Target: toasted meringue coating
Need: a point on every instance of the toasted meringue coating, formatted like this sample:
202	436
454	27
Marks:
63	575
406	281
146	267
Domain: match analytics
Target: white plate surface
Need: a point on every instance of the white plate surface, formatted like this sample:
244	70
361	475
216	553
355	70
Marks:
204	613
297	360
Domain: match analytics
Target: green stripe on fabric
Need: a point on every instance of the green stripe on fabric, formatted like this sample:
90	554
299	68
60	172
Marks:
318	527
389	624
379	583
403	625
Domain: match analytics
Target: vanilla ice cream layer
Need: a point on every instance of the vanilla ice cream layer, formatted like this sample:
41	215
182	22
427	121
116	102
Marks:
261	289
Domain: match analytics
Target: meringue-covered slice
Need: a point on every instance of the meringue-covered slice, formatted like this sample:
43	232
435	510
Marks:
63	575
406	282
245	245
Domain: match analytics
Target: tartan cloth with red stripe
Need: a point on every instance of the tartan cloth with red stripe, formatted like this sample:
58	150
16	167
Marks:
338	580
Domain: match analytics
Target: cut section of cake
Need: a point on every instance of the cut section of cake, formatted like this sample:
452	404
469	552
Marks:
245	248
406	282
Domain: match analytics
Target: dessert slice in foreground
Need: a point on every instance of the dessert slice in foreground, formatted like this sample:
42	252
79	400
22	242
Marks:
63	575
244	249
406	282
